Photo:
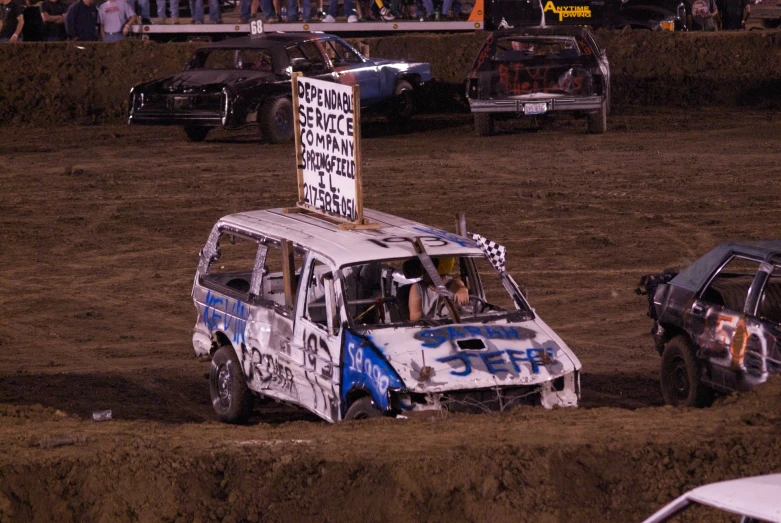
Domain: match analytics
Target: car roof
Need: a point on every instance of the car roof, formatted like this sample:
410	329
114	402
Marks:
696	275
269	40
347	247
756	497
560	30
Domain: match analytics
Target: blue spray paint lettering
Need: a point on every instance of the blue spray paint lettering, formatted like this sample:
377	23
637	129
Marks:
363	367
231	314
494	361
444	235
436	337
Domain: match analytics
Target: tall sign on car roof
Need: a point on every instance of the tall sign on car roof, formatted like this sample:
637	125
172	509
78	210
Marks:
328	149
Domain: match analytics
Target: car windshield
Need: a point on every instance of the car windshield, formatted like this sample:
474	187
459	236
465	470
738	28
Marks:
244	59
522	48
378	293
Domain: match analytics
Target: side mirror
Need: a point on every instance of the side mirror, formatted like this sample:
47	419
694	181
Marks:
300	64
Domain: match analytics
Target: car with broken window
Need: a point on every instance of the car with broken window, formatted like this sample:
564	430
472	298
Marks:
246	81
537	72
717	323
293	307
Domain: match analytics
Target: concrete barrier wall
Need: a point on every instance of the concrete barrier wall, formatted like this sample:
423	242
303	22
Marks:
52	83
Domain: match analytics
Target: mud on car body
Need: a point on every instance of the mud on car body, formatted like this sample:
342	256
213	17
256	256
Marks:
534	71
247	81
293	308
717	323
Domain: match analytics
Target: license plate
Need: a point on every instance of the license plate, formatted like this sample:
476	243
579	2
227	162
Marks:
537	108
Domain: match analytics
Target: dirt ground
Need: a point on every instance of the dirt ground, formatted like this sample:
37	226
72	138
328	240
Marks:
100	229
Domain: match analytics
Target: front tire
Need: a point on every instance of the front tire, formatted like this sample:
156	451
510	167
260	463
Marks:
403	106
196	133
484	124
231	399
681	381
597	122
276	120
363	409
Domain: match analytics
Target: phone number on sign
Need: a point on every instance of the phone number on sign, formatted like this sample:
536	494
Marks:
329	202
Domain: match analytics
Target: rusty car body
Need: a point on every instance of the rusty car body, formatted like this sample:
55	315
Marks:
717	323
535	71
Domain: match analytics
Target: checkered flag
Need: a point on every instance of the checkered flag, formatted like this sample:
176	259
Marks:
496	253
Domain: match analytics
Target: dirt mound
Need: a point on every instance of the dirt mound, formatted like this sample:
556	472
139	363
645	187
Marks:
605	464
49	83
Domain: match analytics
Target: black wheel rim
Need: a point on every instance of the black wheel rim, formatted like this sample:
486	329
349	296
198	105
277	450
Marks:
680	378
224	387
404	103
282	120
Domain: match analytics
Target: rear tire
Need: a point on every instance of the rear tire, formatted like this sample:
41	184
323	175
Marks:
276	120
403	105
196	133
597	122
363	409
484	124
231	399
681	381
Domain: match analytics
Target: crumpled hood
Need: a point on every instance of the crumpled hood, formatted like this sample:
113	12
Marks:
200	79
476	355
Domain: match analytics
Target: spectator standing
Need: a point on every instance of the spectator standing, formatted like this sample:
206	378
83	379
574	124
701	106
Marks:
33	23
174	11
145	12
735	14
11	14
333	9
53	15
116	17
305	11
703	12
81	21
196	8
271	10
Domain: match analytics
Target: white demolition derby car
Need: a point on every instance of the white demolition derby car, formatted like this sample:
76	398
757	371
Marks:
295	308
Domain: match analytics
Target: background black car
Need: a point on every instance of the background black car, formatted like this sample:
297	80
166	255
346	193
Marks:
717	323
245	81
536	70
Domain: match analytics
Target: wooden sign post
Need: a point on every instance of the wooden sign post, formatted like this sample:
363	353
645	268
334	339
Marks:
327	118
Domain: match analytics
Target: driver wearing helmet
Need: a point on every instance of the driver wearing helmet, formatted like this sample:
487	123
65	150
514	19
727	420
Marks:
424	301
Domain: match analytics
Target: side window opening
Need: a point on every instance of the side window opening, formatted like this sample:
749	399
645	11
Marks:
729	288
316	296
233	265
294	52
769	308
272	285
341	54
312	53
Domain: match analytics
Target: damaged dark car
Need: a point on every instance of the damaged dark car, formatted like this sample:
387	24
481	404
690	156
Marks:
717	323
247	81
536	71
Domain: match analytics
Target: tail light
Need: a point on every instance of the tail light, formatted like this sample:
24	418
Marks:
471	88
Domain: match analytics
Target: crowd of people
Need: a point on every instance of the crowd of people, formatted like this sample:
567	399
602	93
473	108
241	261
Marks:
274	11
712	15
83	20
54	20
